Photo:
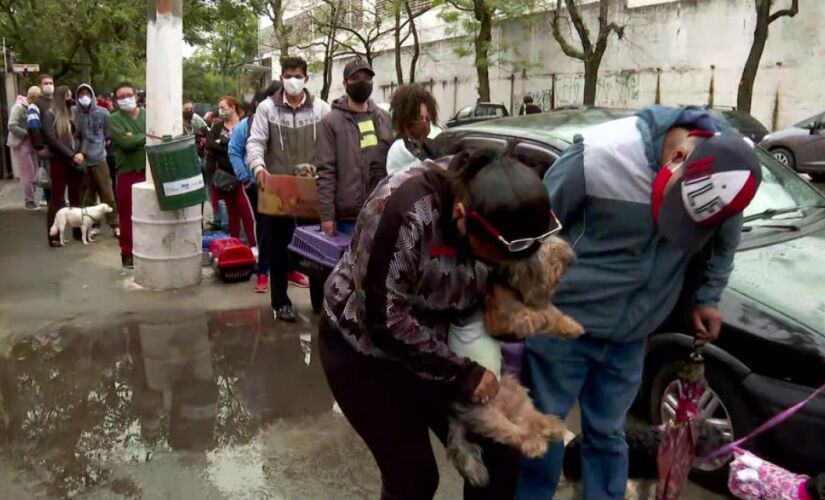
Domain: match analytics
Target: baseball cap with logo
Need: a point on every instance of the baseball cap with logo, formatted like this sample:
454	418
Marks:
719	180
355	66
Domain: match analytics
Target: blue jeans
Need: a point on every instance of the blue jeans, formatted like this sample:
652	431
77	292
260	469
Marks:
604	376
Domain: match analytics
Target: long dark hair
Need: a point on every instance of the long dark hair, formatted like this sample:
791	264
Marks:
507	194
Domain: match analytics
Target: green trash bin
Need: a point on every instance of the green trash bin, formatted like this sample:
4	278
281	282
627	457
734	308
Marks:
176	171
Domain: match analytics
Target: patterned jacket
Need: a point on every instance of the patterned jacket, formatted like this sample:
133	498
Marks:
402	281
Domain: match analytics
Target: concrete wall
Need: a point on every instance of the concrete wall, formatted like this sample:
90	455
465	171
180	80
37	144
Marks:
684	44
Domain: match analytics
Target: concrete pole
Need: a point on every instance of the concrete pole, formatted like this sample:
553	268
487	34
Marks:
167	244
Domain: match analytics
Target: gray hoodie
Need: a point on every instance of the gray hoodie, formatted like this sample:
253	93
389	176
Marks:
91	128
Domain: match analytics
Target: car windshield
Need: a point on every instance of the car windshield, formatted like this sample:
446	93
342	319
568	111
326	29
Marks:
809	122
781	196
743	122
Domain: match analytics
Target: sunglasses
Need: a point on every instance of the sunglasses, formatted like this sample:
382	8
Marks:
521	244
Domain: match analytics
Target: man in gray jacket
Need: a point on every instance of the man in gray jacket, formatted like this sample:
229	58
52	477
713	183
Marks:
638	198
283	135
92	134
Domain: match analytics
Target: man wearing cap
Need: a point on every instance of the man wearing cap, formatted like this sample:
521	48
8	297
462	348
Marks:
347	144
638	198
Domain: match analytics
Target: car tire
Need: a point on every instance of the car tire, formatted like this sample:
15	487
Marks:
785	157
722	384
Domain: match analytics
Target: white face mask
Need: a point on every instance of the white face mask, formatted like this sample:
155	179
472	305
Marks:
294	86
127	103
48	89
85	101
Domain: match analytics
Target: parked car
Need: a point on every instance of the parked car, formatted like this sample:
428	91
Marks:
801	146
477	113
740	121
771	353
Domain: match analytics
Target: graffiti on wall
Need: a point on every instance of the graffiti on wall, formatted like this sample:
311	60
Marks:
615	90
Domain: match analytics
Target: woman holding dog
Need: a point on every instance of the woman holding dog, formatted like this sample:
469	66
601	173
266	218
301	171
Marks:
421	253
66	163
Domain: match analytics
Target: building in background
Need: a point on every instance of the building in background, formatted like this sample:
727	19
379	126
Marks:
683	51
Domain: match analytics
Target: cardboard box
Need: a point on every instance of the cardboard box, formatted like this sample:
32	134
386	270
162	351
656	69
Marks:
288	195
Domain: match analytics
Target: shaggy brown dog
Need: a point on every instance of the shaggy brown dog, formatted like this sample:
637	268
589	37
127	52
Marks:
521	307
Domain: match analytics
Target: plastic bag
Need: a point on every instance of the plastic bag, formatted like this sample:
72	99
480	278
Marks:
42	178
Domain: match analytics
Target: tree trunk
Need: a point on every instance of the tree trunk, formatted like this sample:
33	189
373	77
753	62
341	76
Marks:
482	48
591	79
416	45
760	37
399	71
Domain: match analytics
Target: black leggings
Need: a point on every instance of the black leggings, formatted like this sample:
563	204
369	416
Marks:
393	411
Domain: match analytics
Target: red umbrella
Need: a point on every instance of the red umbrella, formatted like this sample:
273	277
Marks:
677	447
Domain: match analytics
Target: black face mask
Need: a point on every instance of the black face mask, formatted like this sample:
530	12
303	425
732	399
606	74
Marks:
69	103
187	115
359	91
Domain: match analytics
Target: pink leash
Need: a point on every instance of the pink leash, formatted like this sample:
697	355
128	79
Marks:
772	422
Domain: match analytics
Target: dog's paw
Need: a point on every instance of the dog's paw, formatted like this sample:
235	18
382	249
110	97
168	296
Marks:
552	428
568	328
469	464
534	446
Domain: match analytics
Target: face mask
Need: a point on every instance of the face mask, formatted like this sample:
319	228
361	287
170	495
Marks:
294	86
660	183
224	113
48	89
359	91
69	103
85	101
127	103
419	130
187	115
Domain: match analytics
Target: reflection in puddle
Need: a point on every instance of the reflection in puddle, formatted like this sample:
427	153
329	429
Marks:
77	404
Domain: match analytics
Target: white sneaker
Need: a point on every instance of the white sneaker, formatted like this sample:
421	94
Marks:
95	231
255	252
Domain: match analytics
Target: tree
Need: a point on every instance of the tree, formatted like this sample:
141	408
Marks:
764	18
320	34
358	28
480	23
274	11
590	54
402	9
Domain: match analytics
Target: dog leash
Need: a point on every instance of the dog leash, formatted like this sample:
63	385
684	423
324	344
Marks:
769	424
85	213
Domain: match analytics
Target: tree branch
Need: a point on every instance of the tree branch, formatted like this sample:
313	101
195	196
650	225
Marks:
456	6
566	47
793	11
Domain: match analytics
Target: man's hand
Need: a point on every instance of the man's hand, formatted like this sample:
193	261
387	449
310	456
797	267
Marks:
486	390
260	178
328	227
78	158
707	320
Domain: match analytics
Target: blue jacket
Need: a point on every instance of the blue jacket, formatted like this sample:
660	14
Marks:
237	151
92	128
627	278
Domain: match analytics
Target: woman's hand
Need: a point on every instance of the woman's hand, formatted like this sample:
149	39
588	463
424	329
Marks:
78	158
486	390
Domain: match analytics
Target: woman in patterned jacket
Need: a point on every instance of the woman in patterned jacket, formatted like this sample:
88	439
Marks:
422	250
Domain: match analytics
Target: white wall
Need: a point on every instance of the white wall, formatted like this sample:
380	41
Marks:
683	39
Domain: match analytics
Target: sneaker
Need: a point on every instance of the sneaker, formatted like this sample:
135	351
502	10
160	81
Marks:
262	285
254	252
116	231
95	231
43	203
30	205
285	314
128	262
298	279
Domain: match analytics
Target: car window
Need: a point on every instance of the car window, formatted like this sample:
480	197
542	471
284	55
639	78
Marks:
809	122
490	111
534	156
464	113
781	188
479	142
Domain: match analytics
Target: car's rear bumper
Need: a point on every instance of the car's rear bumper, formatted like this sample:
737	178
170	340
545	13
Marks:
796	443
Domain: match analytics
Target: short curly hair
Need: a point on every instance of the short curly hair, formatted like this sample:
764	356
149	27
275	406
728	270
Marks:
406	105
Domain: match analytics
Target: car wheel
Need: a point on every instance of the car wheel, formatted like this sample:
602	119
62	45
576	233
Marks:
785	157
721	406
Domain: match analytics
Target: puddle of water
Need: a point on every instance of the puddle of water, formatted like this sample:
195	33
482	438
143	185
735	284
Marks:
81	408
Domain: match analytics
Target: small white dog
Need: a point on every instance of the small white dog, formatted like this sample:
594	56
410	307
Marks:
83	218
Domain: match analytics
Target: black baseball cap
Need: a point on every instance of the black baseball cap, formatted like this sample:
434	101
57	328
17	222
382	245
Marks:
720	179
355	66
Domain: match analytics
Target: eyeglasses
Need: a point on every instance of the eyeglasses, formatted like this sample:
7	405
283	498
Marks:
516	245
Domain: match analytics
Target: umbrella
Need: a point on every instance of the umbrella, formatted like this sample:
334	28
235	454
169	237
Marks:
677	447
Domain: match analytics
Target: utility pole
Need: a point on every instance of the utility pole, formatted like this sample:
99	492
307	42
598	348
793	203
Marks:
167	244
